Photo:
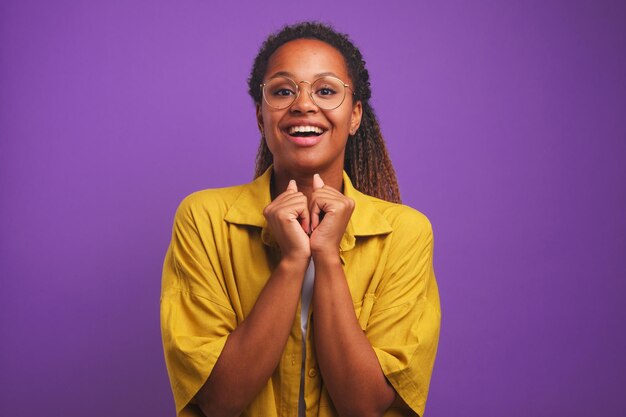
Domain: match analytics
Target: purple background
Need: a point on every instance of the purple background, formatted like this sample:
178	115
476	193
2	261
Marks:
505	121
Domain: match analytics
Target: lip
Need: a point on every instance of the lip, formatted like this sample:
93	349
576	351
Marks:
304	141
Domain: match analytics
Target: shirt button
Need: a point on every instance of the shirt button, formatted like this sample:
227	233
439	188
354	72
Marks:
312	373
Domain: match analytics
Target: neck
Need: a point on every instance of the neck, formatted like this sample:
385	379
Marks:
304	181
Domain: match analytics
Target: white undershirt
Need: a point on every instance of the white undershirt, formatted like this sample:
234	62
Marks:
307	294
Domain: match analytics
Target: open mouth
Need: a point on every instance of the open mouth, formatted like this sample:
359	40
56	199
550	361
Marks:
305	131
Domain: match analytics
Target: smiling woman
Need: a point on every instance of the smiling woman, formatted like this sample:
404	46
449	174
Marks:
310	291
304	138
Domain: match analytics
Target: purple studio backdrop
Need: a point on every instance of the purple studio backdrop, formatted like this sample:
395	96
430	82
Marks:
505	121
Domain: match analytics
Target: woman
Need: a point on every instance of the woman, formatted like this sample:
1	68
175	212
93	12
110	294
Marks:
297	294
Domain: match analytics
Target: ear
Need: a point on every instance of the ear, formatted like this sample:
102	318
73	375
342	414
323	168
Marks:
355	118
259	119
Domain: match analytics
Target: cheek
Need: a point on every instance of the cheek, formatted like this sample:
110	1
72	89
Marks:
342	120
270	129
270	120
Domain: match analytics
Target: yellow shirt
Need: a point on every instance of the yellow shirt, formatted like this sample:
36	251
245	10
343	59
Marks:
220	258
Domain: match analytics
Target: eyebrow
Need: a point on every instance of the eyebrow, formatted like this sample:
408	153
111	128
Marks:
290	75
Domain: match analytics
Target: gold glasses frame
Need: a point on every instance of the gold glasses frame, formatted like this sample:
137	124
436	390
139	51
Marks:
310	94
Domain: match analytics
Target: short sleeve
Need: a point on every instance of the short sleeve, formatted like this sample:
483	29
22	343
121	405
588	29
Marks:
196	316
403	326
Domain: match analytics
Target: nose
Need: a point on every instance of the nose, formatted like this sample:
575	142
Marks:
304	103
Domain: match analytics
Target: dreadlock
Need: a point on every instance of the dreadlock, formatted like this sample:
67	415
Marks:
366	159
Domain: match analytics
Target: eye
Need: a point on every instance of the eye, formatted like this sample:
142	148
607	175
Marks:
325	91
283	92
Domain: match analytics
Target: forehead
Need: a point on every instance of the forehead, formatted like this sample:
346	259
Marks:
305	59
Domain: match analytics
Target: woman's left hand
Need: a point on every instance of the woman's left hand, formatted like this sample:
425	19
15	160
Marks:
330	213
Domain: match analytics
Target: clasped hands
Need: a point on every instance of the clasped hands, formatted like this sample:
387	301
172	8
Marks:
304	228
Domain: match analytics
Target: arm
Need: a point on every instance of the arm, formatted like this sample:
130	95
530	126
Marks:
253	350
348	363
402	323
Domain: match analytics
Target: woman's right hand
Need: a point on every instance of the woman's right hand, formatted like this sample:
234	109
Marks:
289	222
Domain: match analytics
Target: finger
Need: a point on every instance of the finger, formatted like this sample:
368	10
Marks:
292	186
328	193
315	211
305	221
290	197
317	182
298	201
298	212
292	206
287	194
281	203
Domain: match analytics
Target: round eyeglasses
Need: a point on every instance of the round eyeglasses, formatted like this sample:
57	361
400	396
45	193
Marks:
327	92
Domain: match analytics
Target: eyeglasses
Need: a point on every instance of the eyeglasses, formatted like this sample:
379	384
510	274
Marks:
327	92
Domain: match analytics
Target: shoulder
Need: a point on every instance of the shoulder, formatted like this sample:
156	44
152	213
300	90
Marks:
212	202
403	219
240	204
410	241
211	198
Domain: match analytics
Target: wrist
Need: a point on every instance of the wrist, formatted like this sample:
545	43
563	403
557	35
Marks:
326	257
294	262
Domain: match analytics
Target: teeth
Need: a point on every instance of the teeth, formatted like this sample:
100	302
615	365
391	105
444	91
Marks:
305	129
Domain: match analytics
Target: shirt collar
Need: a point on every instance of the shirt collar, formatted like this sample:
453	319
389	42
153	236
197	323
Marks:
248	207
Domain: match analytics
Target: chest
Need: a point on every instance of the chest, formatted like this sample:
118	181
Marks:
247	264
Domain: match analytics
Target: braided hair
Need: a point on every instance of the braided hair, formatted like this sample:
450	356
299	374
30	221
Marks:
366	159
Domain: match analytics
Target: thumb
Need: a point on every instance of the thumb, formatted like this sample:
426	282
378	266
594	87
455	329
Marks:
292	186
317	182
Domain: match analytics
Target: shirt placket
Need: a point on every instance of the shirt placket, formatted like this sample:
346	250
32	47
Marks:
312	377
290	371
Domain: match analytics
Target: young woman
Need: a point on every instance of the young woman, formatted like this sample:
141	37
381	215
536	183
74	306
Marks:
310	291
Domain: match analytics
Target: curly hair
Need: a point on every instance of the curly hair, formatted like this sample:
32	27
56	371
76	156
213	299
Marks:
366	162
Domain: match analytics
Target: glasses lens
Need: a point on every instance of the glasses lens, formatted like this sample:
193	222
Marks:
280	92
328	92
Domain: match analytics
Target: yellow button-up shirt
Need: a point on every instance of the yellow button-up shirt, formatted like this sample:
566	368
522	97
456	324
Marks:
220	257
